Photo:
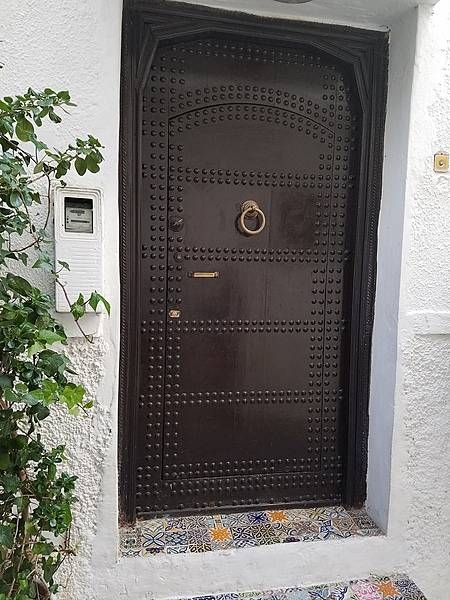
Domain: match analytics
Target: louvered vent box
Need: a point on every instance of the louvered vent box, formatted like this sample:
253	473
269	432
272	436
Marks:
78	242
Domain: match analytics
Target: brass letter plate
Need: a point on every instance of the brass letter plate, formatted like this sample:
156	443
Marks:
203	274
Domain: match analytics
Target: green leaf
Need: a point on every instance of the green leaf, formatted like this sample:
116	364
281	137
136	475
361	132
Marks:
44	262
30	528
92	163
20	285
15	199
52	363
50	337
51	471
64	95
35	348
50	567
5	461
42	412
64	265
5	381
43	548
73	394
77	311
7	536
54	117
78	308
80	166
24	129
10	396
33	398
10	483
95	299
62	168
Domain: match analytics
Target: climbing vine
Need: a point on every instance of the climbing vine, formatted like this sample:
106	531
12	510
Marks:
36	493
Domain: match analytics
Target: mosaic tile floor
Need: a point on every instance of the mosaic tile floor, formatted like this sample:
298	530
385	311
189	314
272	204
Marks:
396	587
178	535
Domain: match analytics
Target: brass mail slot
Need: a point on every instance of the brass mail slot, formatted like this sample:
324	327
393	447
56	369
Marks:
204	274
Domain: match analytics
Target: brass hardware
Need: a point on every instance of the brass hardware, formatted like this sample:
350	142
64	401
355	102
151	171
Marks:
203	274
441	162
251	210
174	313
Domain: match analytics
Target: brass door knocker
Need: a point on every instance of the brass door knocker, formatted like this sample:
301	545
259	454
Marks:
251	210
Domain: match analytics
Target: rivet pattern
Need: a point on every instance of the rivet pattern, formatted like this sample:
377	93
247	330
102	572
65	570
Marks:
250	112
180	102
331	109
271	179
315	254
258	326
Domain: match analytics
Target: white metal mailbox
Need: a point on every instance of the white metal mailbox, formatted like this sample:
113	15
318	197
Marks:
78	242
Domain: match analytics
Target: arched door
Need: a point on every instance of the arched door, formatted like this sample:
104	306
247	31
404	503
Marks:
248	156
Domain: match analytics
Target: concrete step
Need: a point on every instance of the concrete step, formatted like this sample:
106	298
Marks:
393	587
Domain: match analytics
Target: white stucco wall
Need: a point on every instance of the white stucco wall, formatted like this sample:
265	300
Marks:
76	46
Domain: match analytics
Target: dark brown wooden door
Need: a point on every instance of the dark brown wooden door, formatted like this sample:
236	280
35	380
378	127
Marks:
244	345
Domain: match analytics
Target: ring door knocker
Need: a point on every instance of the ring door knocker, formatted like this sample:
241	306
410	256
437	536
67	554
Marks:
251	210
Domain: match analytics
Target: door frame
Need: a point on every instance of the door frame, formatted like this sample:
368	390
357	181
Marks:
145	24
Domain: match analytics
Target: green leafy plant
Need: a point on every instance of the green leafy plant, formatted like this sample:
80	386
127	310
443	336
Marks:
36	495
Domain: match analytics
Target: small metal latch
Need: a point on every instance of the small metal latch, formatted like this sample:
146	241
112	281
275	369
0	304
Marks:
441	162
203	274
174	313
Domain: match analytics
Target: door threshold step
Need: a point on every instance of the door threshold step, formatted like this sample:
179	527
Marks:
393	587
205	533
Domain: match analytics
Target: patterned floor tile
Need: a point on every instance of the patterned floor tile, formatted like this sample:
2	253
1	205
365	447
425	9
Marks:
235	520
203	533
395	587
178	549
265	534
199	536
256	518
176	537
198	548
131	542
304	531
243	537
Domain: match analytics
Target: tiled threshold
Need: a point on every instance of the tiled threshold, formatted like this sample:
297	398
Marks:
395	587
205	533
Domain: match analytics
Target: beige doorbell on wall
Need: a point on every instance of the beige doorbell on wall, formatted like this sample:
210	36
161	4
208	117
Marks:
78	242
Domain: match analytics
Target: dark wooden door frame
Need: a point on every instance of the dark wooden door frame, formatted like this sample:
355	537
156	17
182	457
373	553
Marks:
146	23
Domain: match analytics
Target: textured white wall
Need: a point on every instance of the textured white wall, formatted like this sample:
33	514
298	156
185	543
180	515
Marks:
76	45
385	341
421	456
358	13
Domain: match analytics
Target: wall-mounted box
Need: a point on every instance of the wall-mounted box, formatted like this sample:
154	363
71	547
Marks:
78	242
